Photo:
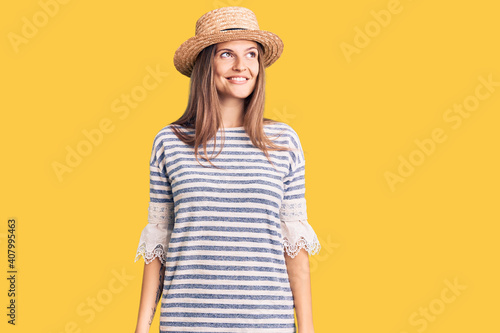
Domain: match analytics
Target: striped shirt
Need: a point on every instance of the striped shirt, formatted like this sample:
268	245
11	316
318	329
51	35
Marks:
219	232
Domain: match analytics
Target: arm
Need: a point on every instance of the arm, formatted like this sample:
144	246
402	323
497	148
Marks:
300	283
152	288
155	236
299	238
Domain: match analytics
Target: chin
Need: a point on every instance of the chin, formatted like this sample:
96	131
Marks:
238	96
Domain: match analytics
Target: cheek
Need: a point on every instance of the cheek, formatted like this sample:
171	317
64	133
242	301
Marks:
218	69
223	81
255	69
219	78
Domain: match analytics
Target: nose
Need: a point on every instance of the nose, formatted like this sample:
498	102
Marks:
238	64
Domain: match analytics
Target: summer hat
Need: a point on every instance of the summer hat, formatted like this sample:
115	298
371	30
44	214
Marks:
222	25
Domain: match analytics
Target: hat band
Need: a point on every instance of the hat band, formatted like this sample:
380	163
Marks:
234	29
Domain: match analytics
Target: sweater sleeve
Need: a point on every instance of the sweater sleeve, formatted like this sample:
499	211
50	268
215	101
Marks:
296	231
156	235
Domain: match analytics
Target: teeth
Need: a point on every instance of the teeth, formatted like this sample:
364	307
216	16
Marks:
238	78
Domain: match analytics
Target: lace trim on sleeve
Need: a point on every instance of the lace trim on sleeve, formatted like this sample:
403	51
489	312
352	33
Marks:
155	238
293	210
149	256
299	235
160	213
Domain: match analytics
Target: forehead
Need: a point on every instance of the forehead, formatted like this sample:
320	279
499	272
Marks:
240	44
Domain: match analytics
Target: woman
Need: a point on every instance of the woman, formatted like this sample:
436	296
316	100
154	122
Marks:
222	248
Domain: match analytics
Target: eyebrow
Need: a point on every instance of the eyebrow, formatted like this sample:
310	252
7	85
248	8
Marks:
252	47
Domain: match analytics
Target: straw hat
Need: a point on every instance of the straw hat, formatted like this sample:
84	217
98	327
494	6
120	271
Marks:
222	25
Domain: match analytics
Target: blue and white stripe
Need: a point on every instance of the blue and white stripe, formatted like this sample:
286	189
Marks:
225	268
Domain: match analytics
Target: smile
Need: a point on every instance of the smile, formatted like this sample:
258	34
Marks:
237	80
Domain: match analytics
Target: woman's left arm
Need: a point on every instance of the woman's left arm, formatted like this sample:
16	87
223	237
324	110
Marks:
300	283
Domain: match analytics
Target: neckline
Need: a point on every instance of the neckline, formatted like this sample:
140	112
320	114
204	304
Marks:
229	128
236	128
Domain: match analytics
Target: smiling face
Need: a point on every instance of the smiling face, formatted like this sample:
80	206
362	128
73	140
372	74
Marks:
236	67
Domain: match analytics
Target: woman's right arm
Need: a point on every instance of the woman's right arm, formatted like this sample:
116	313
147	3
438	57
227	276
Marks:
152	289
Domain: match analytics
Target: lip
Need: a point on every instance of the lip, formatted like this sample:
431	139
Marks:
238	82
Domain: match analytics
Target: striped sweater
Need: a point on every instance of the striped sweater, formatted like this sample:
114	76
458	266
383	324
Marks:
222	233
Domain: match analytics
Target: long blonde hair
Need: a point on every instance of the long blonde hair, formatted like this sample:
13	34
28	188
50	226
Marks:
203	110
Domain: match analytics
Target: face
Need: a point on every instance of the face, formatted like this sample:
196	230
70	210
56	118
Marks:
238	58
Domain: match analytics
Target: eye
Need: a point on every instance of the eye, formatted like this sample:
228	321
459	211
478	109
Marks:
253	54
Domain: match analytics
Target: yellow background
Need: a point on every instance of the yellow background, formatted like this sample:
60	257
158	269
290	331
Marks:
386	252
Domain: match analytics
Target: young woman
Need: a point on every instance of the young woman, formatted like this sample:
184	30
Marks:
227	243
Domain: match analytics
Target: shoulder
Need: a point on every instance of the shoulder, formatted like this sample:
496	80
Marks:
167	132
287	133
163	138
281	127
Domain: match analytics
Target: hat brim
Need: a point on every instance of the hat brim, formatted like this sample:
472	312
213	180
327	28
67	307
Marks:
185	55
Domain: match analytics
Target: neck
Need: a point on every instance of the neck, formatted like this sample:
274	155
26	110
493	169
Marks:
232	112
